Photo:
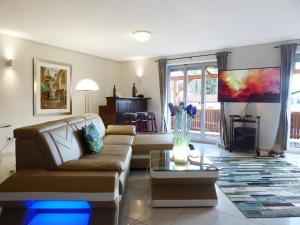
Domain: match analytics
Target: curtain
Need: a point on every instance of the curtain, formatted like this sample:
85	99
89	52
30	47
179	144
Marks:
222	65
162	67
287	52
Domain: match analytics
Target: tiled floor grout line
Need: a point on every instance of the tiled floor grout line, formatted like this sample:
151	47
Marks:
258	223
179	214
227	214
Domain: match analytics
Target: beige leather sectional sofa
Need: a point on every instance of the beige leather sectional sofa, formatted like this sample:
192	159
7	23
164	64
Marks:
52	163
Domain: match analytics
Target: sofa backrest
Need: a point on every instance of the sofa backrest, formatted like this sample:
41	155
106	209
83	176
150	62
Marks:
48	145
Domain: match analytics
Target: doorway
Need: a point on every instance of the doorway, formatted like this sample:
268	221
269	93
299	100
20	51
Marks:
196	84
295	108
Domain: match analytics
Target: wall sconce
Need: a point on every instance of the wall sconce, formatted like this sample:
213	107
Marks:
9	64
139	72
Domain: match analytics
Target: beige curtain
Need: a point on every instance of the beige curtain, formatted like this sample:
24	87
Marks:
162	67
288	53
222	65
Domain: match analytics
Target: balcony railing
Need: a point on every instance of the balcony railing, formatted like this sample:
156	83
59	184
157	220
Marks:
295	125
212	118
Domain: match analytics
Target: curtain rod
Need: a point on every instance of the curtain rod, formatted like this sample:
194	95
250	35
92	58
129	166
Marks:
279	46
193	56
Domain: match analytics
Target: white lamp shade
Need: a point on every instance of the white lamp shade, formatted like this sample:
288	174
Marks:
87	85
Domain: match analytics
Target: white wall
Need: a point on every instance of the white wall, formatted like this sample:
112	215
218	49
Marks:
257	56
16	84
16	104
148	84
242	57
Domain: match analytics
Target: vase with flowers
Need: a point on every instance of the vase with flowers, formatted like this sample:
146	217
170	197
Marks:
183	117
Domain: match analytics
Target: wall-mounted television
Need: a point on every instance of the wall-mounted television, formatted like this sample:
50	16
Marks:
249	85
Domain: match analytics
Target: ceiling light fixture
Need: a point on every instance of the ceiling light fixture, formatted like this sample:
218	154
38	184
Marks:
141	36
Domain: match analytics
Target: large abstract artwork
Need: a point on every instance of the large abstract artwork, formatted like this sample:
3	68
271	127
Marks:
250	85
52	83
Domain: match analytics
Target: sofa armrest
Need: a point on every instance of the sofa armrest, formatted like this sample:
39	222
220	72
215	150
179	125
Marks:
121	130
92	186
98	164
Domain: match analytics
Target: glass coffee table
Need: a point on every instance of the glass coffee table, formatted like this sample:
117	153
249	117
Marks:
190	185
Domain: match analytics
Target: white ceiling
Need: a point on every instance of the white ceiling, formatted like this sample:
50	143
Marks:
104	27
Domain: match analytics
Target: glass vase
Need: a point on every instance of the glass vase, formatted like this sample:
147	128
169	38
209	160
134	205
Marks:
181	148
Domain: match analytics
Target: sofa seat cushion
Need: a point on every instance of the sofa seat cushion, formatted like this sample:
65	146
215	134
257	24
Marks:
123	151
144	143
121	130
118	140
111	158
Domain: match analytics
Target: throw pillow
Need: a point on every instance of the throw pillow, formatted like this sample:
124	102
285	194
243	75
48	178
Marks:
92	138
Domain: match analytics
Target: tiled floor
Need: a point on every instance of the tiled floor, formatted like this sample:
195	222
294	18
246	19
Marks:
136	207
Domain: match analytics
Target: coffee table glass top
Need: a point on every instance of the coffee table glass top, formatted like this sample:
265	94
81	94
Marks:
163	161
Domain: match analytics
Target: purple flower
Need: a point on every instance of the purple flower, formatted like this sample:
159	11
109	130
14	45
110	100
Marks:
175	109
188	109
172	109
193	111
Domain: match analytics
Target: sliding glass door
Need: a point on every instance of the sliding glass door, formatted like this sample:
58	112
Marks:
197	84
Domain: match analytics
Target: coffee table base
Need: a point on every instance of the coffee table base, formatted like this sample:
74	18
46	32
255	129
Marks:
183	192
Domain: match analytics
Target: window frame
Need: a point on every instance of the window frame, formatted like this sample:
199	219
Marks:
297	60
185	67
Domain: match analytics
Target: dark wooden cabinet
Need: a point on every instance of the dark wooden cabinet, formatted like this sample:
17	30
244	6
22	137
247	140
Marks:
112	112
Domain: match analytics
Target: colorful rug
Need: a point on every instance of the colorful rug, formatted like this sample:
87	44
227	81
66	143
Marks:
260	187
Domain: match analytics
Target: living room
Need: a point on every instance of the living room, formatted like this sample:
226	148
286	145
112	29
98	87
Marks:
170	55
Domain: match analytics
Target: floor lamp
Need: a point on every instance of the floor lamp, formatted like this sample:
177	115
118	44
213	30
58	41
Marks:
87	85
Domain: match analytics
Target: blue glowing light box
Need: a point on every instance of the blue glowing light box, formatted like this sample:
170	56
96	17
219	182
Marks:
50	212
51	204
60	219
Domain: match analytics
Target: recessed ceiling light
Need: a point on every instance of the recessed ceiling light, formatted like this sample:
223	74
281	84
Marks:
141	36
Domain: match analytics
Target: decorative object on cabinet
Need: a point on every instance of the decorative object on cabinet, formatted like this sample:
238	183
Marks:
114	91
87	85
51	88
134	90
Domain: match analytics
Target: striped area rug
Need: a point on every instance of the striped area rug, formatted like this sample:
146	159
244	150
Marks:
261	187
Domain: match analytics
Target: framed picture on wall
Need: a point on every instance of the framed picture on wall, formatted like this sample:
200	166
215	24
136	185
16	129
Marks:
51	88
